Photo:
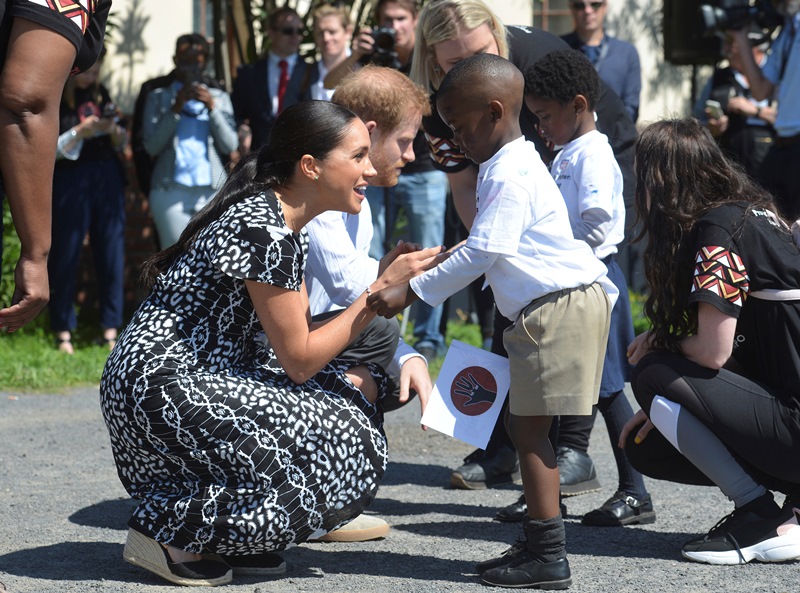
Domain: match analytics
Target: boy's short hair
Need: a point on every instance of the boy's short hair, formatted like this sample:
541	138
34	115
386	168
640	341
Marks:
382	95
485	76
561	75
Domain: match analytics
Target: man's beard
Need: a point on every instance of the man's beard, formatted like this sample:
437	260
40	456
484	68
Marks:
387	173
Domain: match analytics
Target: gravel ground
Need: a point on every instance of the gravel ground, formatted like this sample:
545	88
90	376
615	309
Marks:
63	520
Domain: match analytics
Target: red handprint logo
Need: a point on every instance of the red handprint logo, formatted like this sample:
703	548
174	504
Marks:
473	391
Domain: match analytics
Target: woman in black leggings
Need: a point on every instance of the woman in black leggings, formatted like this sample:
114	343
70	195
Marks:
718	374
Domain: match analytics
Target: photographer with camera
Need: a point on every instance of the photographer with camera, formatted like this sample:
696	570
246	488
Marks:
741	125
189	130
421	190
780	75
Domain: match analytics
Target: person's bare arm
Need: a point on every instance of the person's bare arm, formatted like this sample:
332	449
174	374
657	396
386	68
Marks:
302	351
37	66
463	186
302	348
760	85
712	345
362	45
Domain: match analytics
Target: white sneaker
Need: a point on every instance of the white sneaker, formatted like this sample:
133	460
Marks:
361	529
743	536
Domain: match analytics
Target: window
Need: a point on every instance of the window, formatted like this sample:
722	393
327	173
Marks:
553	16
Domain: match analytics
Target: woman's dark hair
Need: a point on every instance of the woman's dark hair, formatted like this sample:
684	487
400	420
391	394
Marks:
308	127
681	174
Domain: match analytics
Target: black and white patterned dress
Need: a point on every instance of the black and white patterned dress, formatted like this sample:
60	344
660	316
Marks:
225	453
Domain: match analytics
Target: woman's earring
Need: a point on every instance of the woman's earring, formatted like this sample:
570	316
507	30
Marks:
316	177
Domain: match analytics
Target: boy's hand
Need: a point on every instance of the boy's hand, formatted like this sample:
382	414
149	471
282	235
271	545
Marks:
389	301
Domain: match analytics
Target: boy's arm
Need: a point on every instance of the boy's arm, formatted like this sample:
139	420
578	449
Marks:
463	265
597	191
593	227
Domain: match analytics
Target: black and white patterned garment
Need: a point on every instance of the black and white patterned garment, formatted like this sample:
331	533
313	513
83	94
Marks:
224	452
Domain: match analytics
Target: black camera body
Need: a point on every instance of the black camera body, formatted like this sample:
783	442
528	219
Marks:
384	53
737	14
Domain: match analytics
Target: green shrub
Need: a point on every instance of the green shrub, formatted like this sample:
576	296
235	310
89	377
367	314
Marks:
10	257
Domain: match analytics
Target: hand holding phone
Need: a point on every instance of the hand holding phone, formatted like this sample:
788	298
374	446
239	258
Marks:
714	109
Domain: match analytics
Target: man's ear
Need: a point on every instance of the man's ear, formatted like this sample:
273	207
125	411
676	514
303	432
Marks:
371	125
580	103
308	167
496	110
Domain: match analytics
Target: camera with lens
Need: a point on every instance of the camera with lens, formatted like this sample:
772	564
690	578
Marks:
737	14
384	53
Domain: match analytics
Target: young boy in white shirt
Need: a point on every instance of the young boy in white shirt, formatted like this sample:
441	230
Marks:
549	283
562	90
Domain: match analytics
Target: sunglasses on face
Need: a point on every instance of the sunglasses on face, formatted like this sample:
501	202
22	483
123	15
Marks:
290	31
580	6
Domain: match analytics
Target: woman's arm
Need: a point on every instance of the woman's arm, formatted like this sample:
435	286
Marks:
302	348
712	345
302	351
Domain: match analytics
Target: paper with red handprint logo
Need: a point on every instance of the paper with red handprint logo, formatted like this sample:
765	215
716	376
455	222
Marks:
468	394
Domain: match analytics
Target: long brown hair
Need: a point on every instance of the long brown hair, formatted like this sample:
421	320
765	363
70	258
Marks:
681	174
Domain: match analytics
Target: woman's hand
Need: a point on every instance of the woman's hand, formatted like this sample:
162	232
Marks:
401	248
405	261
638	419
639	347
389	301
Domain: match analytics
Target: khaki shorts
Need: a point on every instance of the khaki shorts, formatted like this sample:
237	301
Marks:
556	350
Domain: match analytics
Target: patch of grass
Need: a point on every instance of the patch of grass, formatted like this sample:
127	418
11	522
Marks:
30	362
640	322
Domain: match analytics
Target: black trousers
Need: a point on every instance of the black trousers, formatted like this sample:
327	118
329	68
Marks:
376	343
760	429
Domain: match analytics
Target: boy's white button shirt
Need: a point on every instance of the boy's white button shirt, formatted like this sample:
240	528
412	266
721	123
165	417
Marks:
521	238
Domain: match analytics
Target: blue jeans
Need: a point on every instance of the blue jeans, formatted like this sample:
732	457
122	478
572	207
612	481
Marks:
423	198
87	196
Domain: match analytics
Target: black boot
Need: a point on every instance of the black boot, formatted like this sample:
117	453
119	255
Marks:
517	511
496	465
542	565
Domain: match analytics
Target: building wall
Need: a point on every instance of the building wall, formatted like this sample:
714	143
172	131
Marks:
142	45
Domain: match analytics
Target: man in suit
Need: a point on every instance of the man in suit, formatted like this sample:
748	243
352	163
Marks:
616	61
266	87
